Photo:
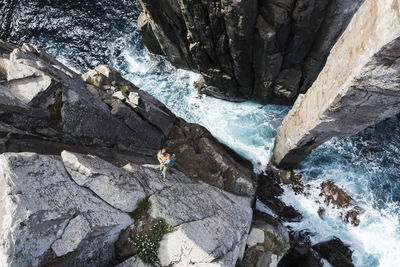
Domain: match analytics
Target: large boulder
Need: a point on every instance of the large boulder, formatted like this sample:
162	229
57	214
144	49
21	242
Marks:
335	252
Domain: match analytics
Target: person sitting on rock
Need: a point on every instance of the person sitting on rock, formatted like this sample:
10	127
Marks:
163	157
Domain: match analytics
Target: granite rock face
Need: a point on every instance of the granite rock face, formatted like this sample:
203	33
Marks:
60	207
46	108
71	212
223	219
267	51
46	218
358	86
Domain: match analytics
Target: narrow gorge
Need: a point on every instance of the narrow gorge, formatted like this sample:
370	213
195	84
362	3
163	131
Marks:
89	92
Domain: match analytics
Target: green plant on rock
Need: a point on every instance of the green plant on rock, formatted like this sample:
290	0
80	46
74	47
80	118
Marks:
124	90
142	208
147	244
55	111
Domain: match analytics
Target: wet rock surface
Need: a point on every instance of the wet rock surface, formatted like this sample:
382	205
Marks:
266	51
300	253
268	192
335	195
335	252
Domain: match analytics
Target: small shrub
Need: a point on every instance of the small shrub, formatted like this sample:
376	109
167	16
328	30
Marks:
125	90
148	243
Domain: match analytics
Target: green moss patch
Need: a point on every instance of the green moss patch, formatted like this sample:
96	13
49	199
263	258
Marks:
124	90
141	210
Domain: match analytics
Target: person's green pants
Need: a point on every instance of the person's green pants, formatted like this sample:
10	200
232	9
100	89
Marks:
163	169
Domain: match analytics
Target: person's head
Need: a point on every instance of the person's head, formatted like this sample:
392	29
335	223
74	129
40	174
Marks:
163	151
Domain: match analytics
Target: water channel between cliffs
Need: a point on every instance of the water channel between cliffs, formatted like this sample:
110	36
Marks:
366	166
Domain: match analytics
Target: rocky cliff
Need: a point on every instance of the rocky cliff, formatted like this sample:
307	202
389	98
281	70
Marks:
268	50
79	183
46	107
65	208
358	86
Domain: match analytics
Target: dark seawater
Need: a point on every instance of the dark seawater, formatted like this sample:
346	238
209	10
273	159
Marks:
84	34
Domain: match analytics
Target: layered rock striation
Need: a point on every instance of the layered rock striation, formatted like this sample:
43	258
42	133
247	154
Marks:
358	86
267	51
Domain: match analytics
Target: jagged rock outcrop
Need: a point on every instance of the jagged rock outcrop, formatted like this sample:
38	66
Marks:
46	108
267	243
358	86
266	51
335	252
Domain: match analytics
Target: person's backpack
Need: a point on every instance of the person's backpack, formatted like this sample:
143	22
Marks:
171	160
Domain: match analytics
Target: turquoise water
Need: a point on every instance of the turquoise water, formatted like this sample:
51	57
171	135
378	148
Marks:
83	34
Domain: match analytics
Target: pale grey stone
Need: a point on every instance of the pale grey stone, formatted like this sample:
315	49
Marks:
28	88
119	95
15	71
134	98
209	223
41	206
256	236
112	184
75	232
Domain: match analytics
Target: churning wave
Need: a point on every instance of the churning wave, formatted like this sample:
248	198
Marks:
83	34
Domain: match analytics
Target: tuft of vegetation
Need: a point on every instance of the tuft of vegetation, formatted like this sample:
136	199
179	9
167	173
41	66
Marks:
141	210
55	111
147	243
124	90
